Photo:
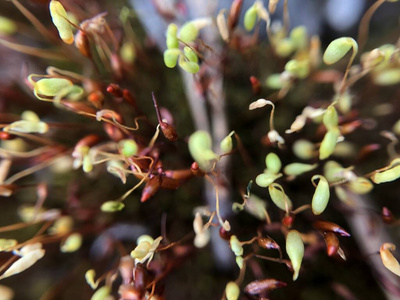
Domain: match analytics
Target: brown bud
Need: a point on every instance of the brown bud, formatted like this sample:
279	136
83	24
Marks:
6	136
114	90
195	169
234	13
288	220
128	97
255	85
179	174
96	98
332	243
260	286
387	215
226	235
169	131
332	227
169	183
151	187
82	43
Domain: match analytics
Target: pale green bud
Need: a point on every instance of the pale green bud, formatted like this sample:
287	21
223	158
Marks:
360	185
387	77
296	169
250	18
236	246
295	250
72	243
128	147
7	26
102	293
321	195
330	118
328	143
303	149
232	291
273	163
188	32
279	197
171	57
338	48
190	55
60	20
172	40
112	206
265	179
387	175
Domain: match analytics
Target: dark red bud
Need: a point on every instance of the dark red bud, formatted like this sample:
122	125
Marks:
332	227
387	215
255	85
288	220
151	187
267	243
96	98
332	243
226	235
114	90
6	136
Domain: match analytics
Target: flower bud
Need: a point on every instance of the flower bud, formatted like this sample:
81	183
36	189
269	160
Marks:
279	197
273	163
321	195
296	169
236	246
112	206
232	291
60	20
328	143
338	48
188	32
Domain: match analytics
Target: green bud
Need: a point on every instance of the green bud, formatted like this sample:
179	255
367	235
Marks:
128	147
172	40
171	57
273	163
330	118
333	171
236	246
295	169
298	37
279	197
51	87
360	185
200	148
396	128
328	143
29	115
295	250
87	164
72	243
232	291
7	26
284	47
102	293
60	20
112	206
386	176
321	195
338	48
344	102
250	18
265	179
239	261
89	277
226	144
387	77
141	250
303	149
128	52
188	32
188	66
298	68
274	82
190	55
27	127
256	207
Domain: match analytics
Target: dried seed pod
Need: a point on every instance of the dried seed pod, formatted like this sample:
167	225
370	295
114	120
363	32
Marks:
295	250
321	195
222	25
125	268
226	235
264	285
82	43
267	243
234	13
332	243
388	260
332	227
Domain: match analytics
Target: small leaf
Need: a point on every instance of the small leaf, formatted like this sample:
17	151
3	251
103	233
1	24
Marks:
112	206
388	260
321	195
256	207
60	20
295	250
338	48
226	144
